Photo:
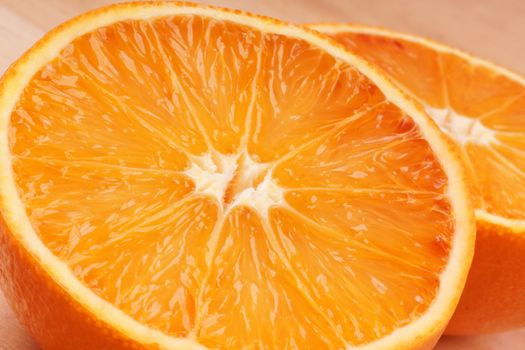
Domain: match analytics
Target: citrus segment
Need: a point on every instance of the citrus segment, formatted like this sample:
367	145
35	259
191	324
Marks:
210	178
305	93
403	60
158	287
467	99
341	281
482	108
474	90
91	196
377	149
254	296
508	118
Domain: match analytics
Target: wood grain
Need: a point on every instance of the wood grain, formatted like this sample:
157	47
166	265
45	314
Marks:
492	29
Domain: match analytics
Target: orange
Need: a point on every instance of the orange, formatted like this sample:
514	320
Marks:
481	107
185	177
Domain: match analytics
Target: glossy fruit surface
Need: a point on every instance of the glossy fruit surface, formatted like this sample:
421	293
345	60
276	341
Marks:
185	177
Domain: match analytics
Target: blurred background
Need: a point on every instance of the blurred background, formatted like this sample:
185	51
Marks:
492	29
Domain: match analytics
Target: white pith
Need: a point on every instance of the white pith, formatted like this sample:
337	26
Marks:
213	173
462	129
265	195
452	278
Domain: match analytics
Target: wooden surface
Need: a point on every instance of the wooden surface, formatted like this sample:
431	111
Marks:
493	29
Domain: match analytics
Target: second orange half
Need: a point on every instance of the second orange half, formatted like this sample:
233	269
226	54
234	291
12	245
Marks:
482	108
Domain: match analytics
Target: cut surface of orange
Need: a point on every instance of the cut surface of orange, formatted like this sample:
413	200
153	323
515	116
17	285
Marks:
185	177
482	108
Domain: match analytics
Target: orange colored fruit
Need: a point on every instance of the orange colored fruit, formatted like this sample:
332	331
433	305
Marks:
481	107
185	177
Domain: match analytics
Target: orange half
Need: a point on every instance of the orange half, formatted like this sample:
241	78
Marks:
482	108
186	177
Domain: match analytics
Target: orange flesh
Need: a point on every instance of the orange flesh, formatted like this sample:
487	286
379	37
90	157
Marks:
483	110
104	139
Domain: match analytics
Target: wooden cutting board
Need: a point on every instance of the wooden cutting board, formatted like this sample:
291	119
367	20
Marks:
492	29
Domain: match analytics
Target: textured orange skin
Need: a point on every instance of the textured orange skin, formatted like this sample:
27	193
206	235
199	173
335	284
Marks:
50	315
494	296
